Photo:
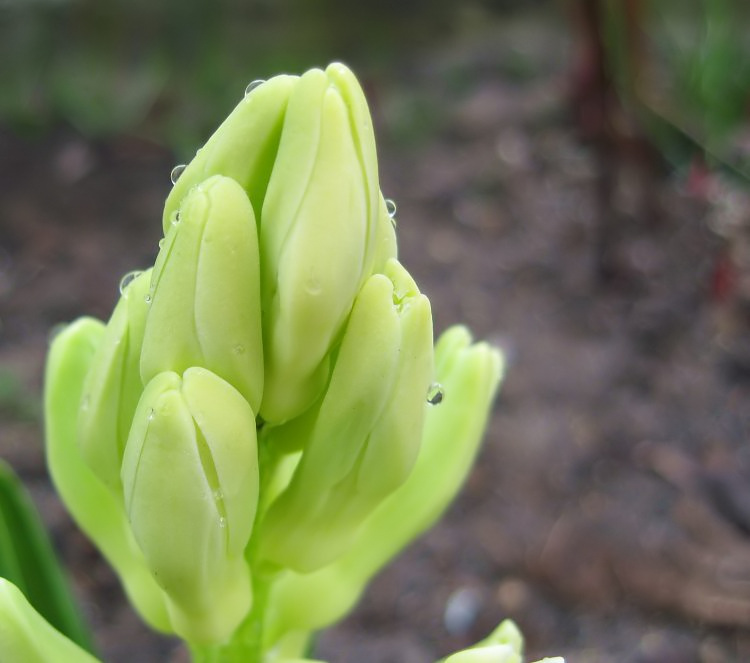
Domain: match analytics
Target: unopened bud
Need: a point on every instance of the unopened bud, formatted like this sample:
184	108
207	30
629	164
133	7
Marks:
205	299
190	480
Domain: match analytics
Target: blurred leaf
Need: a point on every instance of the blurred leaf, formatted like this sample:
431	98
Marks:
28	560
15	401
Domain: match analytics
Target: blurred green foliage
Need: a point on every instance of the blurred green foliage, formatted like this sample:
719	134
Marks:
16	402
28	560
684	70
702	48
171	69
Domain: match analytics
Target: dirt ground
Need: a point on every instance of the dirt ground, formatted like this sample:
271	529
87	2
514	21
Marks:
609	512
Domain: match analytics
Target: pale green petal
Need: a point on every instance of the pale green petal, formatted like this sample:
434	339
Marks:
243	147
470	375
190	483
385	245
205	308
490	654
113	386
317	237
362	379
393	445
364	143
91	504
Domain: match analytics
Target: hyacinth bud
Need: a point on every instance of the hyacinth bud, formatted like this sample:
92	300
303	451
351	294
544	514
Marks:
205	293
317	234
243	147
469	375
303	149
503	645
364	435
113	385
190	481
98	512
26	636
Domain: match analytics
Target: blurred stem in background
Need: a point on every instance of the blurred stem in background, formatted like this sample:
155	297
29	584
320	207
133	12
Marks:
658	83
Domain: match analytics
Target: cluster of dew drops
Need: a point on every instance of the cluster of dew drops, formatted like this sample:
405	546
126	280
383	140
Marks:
435	392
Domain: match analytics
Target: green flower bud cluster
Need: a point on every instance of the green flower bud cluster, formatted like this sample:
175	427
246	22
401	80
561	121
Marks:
249	438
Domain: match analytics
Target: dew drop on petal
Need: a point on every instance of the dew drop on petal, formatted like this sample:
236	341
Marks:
176	172
238	349
390	207
126	280
147	299
150	415
218	494
175	220
435	393
222	522
161	243
313	287
253	84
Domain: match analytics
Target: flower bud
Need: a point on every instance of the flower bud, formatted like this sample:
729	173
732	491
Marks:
393	445
190	480
317	235
205	299
303	149
98	512
113	386
364	435
469	375
26	636
243	147
503	645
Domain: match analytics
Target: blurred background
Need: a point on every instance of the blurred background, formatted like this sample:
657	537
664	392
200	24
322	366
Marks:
572	182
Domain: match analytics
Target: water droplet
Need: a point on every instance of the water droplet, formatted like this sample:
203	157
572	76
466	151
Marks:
435	393
390	207
222	522
151	414
239	349
218	494
176	172
147	299
161	243
312	286
175	220
126	280
252	85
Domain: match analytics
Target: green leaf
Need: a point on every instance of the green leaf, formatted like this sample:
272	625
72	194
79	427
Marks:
28	560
